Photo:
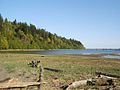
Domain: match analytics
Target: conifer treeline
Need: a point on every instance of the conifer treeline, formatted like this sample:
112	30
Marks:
19	35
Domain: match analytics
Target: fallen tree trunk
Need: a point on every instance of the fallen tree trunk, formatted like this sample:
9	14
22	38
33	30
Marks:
18	85
78	84
51	69
4	80
106	74
40	74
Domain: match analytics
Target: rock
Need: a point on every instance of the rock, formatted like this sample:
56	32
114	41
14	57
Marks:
117	88
102	81
116	82
104	88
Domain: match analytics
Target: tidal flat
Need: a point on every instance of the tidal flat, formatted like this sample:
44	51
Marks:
74	67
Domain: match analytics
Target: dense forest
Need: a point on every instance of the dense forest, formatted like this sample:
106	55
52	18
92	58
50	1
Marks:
19	35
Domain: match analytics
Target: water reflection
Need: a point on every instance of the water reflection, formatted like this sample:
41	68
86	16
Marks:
78	51
61	52
111	56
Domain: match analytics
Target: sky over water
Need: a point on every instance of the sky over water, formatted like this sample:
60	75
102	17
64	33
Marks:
96	23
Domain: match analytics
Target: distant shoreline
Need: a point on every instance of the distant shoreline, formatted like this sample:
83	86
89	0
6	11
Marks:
22	50
34	49
48	49
105	48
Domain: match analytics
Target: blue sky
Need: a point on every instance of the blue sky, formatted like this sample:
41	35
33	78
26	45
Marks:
96	23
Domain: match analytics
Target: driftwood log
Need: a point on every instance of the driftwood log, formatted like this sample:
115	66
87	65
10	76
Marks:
15	83
18	85
78	84
51	69
106	74
4	80
34	64
41	74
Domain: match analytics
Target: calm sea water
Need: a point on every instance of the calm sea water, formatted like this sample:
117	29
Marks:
76	51
111	56
62	52
84	52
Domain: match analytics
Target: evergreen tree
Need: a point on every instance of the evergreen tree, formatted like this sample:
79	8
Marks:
3	43
19	35
14	22
6	21
1	22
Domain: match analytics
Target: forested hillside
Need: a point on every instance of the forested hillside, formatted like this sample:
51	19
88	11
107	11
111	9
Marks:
18	35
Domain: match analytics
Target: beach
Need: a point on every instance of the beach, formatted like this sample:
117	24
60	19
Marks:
74	67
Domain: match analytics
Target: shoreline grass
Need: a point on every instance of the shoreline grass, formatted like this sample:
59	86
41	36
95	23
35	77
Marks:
75	67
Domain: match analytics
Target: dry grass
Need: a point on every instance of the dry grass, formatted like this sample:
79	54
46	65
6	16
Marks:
75	67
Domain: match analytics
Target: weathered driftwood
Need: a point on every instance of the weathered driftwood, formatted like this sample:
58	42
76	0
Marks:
34	64
106	74
103	76
51	69
18	84
4	80
40	74
78	83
